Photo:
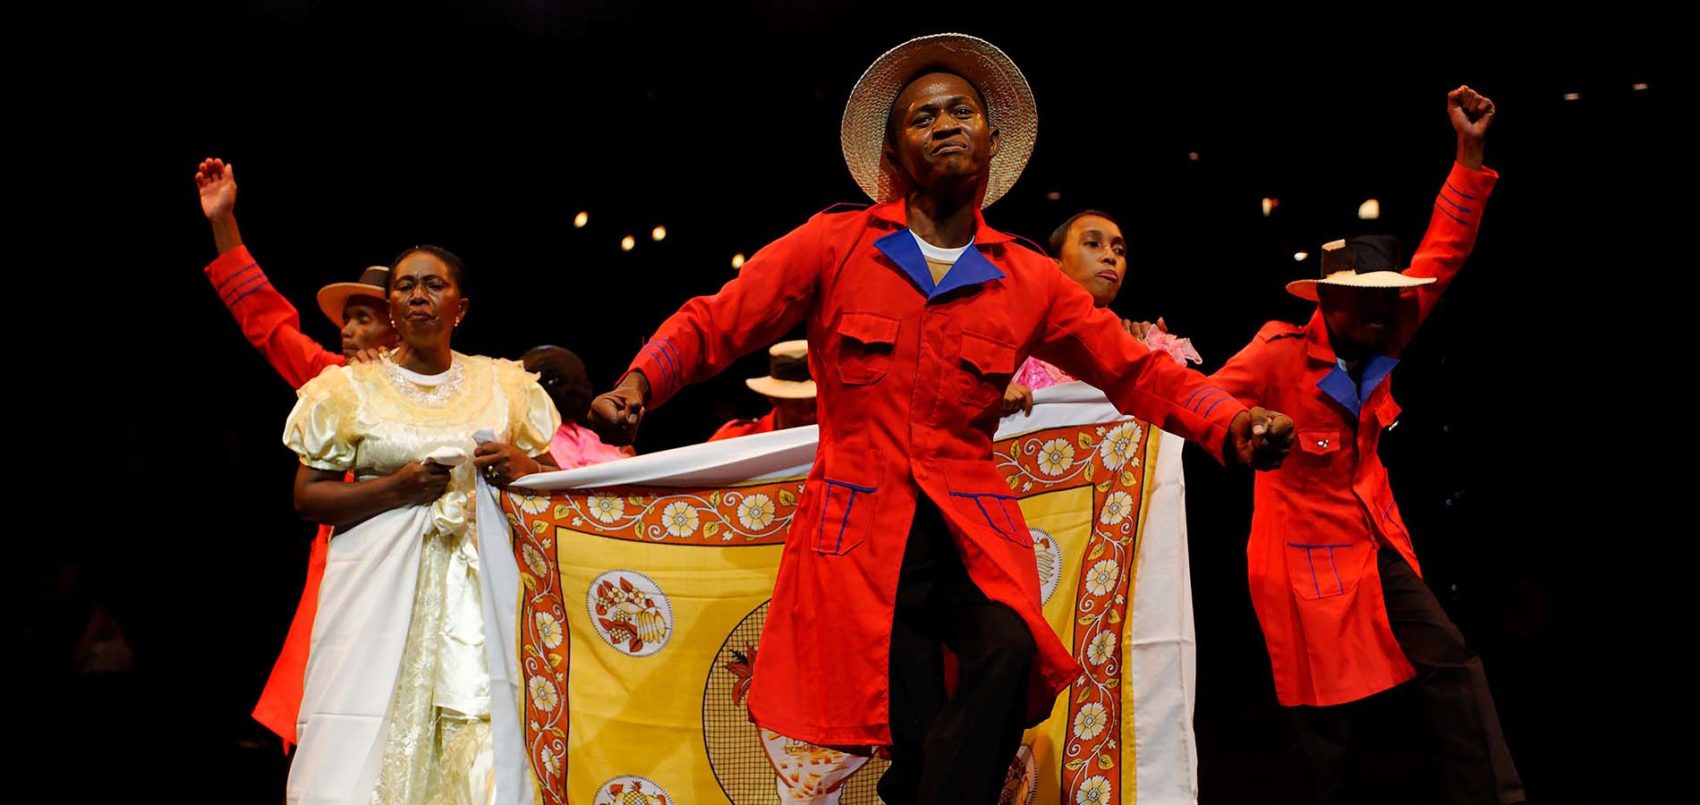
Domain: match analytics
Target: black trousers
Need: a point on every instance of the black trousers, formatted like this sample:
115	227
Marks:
1450	690
957	749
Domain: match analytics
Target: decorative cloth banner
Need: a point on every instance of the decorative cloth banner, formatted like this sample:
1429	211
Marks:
644	585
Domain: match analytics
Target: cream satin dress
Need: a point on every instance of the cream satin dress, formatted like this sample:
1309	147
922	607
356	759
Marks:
397	706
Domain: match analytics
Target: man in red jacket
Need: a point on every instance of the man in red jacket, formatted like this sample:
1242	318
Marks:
1333	574
268	320
274	328
906	538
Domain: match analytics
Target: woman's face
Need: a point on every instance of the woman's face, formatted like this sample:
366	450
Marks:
1095	255
425	300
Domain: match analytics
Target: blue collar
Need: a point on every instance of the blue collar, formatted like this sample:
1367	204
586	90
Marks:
972	268
1338	382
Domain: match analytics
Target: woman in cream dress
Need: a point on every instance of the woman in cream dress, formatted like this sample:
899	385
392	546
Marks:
404	701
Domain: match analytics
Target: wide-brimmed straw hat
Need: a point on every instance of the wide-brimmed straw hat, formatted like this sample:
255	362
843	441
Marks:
1009	101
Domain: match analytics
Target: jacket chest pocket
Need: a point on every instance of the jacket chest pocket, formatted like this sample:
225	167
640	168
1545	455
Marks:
987	364
865	344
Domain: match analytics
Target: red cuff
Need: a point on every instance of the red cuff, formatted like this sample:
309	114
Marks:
660	364
234	274
229	263
1468	183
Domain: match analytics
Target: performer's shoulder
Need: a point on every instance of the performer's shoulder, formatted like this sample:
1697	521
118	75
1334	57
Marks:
1277	330
838	216
1029	246
845	207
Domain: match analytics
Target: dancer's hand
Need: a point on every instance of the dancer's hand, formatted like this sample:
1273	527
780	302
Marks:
615	416
217	183
1017	398
502	464
1140	329
1472	113
418	483
369	355
1260	439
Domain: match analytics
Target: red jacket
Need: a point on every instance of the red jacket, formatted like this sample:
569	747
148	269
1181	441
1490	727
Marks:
744	427
911	380
1321	517
269	321
274	328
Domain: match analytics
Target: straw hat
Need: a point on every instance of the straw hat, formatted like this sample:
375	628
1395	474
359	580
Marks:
1008	98
788	378
1367	261
374	282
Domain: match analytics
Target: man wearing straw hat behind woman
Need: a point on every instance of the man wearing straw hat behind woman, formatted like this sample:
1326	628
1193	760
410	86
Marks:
906	540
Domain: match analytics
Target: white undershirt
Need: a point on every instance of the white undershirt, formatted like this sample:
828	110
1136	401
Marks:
938	254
